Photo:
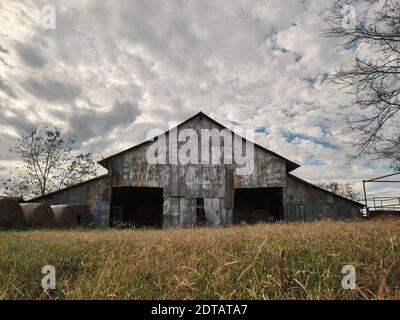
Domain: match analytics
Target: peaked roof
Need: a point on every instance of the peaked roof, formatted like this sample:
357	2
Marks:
324	190
290	165
67	188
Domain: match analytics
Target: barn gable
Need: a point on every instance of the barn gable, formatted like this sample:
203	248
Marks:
202	121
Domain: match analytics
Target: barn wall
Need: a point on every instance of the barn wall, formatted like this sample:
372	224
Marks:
318	203
94	193
184	183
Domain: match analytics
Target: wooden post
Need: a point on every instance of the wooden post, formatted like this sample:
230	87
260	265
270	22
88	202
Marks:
365	198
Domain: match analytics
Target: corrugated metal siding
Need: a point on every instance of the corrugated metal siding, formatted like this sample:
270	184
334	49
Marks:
96	194
318	203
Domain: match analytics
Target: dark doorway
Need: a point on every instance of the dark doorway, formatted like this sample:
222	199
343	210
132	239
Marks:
135	206
201	219
255	205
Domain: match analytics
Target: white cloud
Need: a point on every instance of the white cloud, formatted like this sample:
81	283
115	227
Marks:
257	63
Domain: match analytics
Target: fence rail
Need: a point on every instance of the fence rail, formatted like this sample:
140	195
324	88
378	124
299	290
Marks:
382	206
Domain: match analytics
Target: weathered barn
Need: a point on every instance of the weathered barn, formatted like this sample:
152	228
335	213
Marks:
198	173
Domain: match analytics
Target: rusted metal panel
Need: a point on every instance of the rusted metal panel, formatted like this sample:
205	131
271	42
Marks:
126	168
229	190
229	217
174	212
167	219
187	211
263	174
220	182
222	213
165	180
212	209
193	181
171	212
153	175
181	181
138	174
209	182
174	182
268	172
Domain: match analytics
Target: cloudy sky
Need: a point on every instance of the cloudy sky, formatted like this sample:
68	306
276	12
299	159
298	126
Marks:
112	70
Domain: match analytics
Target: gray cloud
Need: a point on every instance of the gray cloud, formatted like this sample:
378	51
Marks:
4	50
52	90
6	143
90	123
31	55
7	89
15	119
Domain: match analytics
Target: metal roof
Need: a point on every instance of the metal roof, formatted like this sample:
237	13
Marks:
67	188
322	189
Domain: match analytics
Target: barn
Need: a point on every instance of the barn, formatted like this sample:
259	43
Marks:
201	173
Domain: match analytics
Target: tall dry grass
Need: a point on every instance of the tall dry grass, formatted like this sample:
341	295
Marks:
276	261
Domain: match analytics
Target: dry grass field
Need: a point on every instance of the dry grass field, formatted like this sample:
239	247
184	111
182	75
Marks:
276	261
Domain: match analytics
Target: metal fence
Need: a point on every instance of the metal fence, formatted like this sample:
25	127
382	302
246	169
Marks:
295	211
382	206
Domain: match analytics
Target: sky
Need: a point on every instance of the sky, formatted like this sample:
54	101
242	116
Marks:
111	71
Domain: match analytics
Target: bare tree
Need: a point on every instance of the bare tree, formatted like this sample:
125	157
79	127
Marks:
372	29
48	164
344	190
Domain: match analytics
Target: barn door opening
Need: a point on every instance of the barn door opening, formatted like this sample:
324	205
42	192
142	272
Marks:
253	205
136	206
201	219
